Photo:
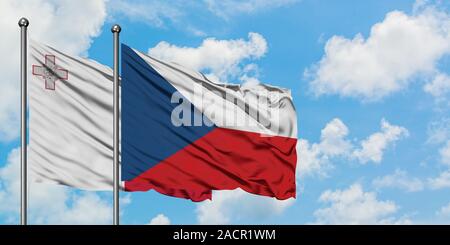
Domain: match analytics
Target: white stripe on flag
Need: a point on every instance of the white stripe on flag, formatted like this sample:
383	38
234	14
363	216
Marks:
261	108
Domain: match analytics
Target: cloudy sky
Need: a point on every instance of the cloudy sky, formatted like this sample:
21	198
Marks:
370	81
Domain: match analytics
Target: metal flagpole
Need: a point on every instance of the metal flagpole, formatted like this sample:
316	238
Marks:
116	30
23	23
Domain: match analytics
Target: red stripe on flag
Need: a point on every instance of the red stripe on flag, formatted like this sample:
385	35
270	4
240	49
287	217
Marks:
225	159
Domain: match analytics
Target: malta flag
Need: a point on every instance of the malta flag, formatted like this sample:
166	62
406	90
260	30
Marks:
70	120
184	135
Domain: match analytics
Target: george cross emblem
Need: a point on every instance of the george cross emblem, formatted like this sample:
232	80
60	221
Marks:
50	72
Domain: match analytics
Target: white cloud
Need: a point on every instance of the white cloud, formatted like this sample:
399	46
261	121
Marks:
314	159
373	147
399	179
444	211
237	205
310	160
229	8
439	86
354	206
66	25
160	219
441	181
49	204
332	138
9	183
397	49
86	208
227	65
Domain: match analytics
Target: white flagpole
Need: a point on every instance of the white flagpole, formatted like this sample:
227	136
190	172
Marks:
23	23
116	30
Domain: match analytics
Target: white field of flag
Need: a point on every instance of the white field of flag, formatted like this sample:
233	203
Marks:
70	120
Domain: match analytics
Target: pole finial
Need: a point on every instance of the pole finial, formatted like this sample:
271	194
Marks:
23	22
116	28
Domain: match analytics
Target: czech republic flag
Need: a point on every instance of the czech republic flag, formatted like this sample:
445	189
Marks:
184	135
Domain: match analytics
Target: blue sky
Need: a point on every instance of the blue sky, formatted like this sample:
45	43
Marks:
370	81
